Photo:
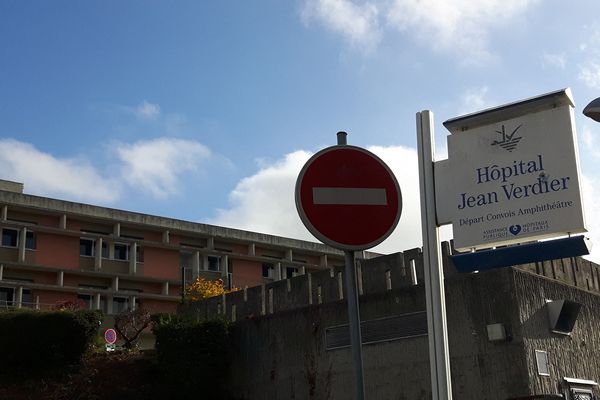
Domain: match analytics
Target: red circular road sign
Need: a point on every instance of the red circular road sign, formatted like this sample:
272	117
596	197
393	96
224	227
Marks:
110	335
348	198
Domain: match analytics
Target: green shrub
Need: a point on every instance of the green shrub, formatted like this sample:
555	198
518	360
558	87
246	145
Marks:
36	343
194	357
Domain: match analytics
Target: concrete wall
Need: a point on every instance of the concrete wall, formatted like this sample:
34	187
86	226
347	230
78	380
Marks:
574	355
282	327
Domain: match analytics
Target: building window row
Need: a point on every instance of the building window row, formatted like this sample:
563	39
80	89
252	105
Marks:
12	238
119	304
121	251
8	298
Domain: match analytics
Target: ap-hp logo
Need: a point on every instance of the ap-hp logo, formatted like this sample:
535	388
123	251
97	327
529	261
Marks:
508	141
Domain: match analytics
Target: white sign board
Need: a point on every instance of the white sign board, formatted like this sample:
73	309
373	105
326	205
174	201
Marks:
512	174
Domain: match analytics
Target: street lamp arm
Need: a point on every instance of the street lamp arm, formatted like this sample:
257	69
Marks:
592	110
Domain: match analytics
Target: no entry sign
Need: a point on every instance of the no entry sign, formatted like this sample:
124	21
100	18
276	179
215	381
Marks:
110	335
348	198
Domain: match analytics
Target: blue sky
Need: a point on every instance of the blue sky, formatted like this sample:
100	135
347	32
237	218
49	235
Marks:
206	111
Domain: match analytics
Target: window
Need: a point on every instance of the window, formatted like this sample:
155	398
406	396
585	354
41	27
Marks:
86	247
10	237
213	263
186	262
6	297
87	299
187	276
27	299
121	251
30	240
139	254
120	304
579	394
229	281
291	272
268	270
541	359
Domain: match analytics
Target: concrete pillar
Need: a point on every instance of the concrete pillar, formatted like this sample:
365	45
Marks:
166	237
97	301
133	258
165	288
224	267
263	300
323	261
62	224
98	255
4	212
22	240
302	270
210	243
111	250
204	262
278	273
117	229
1	271
289	255
115	283
37	302
133	300
196	265
310	291
18	297
252	249
109	304
60	278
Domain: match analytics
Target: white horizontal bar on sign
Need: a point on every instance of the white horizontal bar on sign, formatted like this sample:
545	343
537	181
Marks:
350	196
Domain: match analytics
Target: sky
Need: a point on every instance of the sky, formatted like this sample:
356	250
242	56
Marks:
207	110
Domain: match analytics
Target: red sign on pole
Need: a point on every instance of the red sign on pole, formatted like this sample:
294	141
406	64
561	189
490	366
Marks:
348	197
110	335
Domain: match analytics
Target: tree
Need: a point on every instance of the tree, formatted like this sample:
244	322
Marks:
130	324
203	288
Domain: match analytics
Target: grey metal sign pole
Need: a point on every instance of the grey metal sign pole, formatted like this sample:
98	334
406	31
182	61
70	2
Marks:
439	359
353	309
354	323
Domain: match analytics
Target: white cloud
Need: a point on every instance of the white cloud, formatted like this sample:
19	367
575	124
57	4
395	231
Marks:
359	24
155	165
147	111
589	74
264	202
460	26
474	100
46	175
554	60
403	162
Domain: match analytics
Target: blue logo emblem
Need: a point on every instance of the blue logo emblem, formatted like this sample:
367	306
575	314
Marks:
515	229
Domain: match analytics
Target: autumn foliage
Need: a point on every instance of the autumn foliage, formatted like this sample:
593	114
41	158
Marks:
203	288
